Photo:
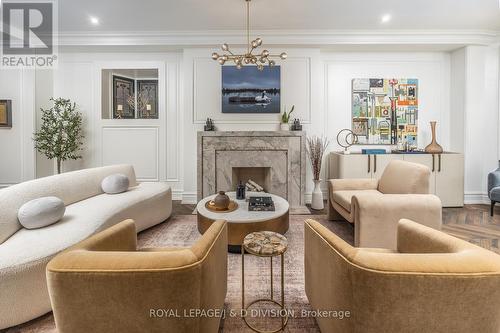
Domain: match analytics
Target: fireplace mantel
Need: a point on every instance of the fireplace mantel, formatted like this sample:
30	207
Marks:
281	151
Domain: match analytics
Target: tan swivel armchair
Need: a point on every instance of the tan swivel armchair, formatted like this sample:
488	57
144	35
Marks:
432	283
375	206
105	285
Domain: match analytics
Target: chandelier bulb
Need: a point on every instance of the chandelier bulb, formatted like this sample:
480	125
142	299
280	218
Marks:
283	55
265	53
239	66
253	60
260	67
215	56
262	60
225	47
259	41
272	63
222	61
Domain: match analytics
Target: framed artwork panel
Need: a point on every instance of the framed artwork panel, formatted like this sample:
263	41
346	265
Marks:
123	90
5	113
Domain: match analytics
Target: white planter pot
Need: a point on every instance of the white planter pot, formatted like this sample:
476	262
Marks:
317	196
285	127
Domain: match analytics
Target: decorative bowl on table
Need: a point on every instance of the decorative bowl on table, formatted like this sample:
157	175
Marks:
211	206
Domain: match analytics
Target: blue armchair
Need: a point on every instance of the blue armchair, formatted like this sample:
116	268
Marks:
494	187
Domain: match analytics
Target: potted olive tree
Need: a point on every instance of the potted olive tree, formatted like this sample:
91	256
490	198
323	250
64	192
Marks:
60	136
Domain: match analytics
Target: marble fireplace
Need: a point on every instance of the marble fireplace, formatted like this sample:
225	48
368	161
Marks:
274	160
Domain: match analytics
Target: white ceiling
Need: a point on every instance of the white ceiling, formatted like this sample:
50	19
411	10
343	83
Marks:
197	15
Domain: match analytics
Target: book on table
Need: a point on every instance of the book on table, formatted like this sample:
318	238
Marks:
256	204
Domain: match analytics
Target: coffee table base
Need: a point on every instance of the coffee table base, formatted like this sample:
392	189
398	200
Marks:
236	232
234	248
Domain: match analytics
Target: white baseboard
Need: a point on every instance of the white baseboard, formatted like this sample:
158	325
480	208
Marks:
177	194
189	198
474	198
308	196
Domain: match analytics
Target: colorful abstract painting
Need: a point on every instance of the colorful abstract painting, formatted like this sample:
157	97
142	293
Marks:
385	111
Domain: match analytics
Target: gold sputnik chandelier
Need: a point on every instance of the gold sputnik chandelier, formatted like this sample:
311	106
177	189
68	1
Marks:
265	57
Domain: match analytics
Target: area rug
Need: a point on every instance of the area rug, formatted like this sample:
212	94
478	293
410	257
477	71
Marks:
182	231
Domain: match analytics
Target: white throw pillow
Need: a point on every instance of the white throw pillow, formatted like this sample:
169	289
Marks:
41	212
116	183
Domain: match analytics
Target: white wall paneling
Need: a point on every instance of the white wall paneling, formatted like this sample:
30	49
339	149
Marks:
73	80
151	145
133	131
17	155
431	69
205	77
459	89
481	113
301	85
138	146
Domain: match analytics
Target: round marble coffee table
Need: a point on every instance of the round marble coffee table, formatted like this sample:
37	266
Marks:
242	222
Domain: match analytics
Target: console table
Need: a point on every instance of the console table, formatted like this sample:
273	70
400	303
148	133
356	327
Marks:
447	170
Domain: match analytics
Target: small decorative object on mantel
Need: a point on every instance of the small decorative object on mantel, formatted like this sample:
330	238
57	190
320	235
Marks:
5	113
433	147
346	138
296	125
285	119
316	147
209	125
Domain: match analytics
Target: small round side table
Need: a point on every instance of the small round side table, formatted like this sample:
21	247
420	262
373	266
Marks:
265	244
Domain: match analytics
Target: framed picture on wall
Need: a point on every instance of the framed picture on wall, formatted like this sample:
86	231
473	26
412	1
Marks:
123	98
385	110
147	99
248	90
5	113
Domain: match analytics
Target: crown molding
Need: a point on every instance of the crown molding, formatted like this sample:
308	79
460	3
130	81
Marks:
281	37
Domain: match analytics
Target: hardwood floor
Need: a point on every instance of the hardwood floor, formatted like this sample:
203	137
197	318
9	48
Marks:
472	223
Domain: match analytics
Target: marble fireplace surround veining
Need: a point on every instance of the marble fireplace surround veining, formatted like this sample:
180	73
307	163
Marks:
281	151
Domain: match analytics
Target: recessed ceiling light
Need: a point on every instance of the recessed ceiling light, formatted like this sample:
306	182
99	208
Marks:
94	20
386	18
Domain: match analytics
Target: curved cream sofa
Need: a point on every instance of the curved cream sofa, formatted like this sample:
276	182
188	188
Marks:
25	253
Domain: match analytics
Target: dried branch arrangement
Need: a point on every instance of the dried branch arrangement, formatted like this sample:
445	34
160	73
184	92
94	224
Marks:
316	147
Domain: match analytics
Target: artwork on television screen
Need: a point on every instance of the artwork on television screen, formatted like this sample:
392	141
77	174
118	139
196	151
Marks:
385	111
248	90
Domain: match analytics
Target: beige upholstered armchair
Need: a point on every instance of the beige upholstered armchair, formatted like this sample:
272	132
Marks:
375	206
104	284
433	282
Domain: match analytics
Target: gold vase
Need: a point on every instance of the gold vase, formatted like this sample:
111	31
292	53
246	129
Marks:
433	147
